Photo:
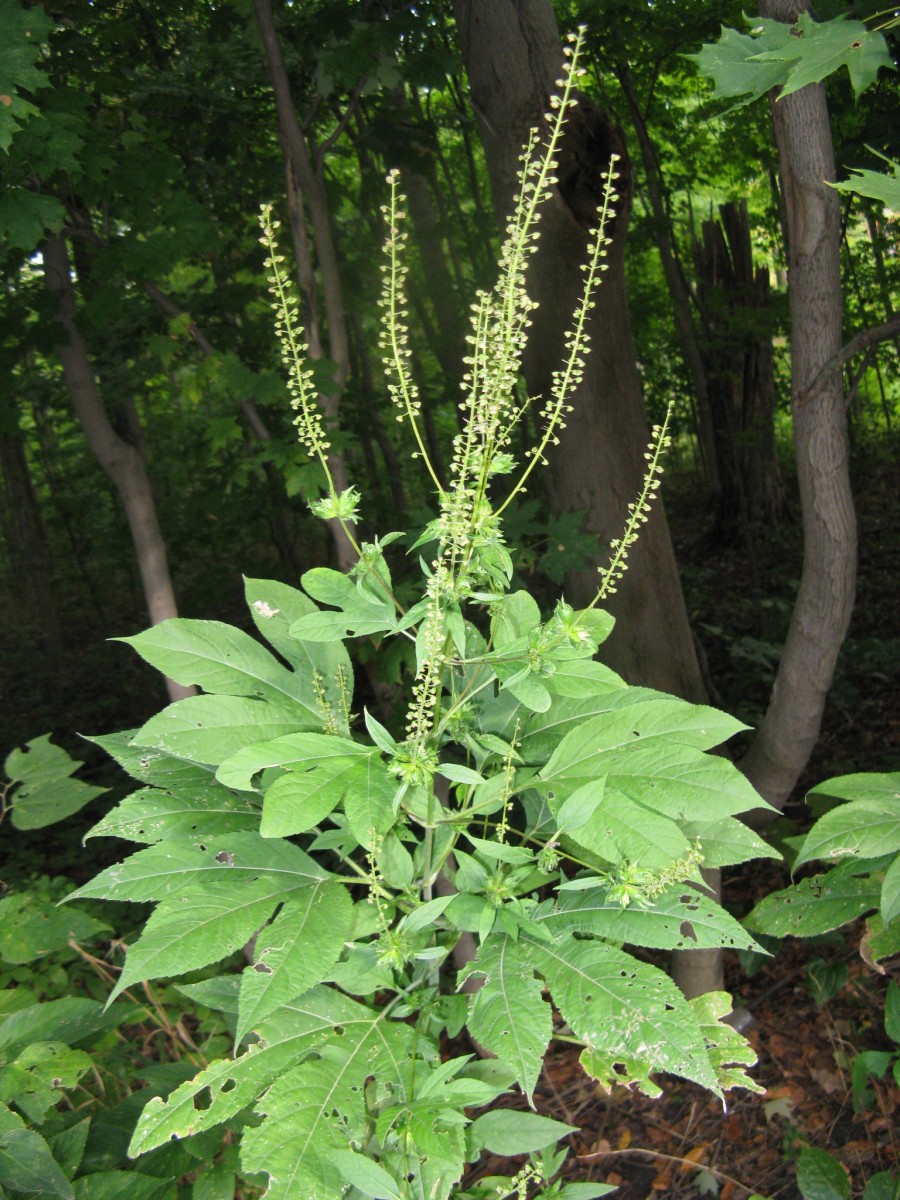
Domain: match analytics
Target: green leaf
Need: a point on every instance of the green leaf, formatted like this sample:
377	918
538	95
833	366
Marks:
361	612
290	1033
31	928
151	766
26	217
727	842
71	1020
622	828
816	905
457	773
862	828
162	814
816	50
209	729
369	800
882	1186
303	798
294	752
324	671
728	1051
506	1131
864	786
201	925
26	1165
631	1016
219	659
45	793
508	1014
32	1080
734	65
121	1185
680	919
295	952
170	868
876	185
891	893
892	1012
68	1146
366	1176
821	1177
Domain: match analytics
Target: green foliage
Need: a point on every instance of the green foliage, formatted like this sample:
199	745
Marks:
863	837
41	790
530	806
775	54
24	30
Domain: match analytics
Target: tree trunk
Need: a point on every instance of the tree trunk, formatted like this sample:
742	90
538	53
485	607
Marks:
513	55
121	461
306	191
678	289
26	540
828	580
741	393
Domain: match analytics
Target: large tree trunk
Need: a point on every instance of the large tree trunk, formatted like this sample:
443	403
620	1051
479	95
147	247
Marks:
824	604
513	55
121	461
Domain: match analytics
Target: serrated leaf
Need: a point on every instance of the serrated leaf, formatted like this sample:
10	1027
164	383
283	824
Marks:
295	952
121	1185
201	925
209	729
506	1131
818	49
622	828
160	814
231	1084
26	1165
862	828
365	1175
321	1105
324	671
303	798
816	905
877	185
360	612
867	785
32	1080
821	1177
680	919
168	869
631	1016
296	751
727	842
151	766
217	658
733	63
369	801
508	1014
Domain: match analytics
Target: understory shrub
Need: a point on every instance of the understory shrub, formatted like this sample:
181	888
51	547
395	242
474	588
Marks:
406	913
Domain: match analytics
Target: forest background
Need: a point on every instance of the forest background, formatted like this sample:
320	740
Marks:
148	455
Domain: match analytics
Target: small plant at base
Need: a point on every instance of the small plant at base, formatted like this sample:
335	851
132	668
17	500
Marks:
527	784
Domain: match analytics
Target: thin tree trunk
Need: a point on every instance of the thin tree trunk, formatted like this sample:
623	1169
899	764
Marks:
306	193
681	300
513	55
121	461
26	539
824	604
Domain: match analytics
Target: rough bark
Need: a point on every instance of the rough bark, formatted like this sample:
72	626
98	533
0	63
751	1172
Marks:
824	604
513	55
121	461
307	198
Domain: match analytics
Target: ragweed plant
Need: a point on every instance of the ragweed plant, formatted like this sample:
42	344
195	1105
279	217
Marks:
531	815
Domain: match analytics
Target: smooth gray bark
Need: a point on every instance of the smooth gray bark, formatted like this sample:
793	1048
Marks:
825	600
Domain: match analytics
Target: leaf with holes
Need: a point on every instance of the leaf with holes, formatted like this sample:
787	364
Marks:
508	1014
680	919
295	952
815	905
178	813
631	1016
